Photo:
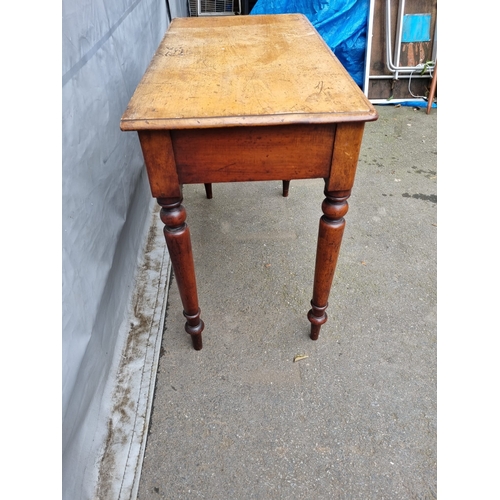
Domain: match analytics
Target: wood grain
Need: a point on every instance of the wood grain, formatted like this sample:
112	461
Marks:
243	71
160	164
253	153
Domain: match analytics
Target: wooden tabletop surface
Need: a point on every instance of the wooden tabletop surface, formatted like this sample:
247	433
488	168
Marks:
244	70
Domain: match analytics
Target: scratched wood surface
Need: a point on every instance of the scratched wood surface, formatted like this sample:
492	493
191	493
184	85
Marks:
243	71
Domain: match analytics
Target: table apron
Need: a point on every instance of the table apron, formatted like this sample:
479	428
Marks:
236	154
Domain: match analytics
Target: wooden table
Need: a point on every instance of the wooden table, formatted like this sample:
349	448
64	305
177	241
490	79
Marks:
247	98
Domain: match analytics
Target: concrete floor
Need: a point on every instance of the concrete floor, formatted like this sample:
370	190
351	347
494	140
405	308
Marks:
356	419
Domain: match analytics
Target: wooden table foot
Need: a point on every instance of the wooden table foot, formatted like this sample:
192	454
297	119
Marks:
286	188
178	239
197	341
194	326
331	230
317	316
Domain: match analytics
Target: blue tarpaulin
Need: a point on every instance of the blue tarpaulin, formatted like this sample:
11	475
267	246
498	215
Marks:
341	23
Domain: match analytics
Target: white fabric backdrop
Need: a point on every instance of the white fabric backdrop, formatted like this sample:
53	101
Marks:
106	47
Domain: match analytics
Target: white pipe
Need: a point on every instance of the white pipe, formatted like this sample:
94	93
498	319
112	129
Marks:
399	30
369	37
434	44
391	77
390	66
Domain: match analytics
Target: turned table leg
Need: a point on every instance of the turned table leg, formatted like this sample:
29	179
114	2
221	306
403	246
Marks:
331	229
178	239
208	191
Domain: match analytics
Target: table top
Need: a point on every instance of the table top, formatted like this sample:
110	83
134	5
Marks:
243	71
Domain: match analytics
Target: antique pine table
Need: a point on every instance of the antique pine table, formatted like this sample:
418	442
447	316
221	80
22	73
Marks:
247	98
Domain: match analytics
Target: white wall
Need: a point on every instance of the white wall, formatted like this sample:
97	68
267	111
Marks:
106	47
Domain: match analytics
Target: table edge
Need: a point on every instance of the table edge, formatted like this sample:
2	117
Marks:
245	121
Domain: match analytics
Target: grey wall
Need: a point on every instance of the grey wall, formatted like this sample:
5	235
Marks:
106	47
